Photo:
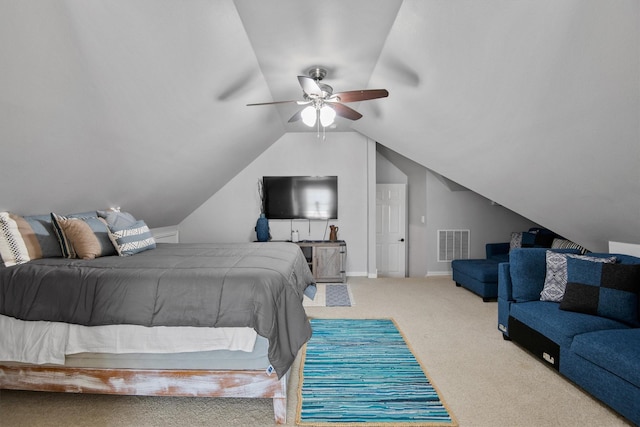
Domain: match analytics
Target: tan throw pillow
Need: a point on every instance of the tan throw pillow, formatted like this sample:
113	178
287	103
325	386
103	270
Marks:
84	241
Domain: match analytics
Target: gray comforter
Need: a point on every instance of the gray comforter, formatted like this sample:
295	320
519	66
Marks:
259	285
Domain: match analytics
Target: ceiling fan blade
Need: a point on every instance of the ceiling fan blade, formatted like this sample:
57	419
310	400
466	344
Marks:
309	86
346	112
270	103
361	95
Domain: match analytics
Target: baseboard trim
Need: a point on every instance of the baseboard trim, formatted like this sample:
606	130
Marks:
358	274
438	273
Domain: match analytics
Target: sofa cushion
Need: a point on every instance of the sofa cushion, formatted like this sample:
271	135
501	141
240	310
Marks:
483	270
497	251
617	351
555	281
607	290
544	238
558	325
500	258
528	269
522	239
566	244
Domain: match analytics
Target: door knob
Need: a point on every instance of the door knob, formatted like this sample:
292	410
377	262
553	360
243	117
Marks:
402	240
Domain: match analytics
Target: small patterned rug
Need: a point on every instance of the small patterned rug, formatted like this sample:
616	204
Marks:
331	295
362	373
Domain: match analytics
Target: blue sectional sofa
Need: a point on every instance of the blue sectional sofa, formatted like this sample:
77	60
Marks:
481	275
590	333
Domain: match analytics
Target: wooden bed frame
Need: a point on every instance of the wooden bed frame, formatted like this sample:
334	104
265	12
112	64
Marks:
149	382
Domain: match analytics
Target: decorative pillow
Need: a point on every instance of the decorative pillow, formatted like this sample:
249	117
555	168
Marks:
65	244
516	240
567	244
44	233
132	239
101	231
521	240
117	219
543	238
84	242
18	242
556	278
602	289
79	241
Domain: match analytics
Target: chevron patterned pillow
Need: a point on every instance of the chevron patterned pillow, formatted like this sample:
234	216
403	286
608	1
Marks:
132	239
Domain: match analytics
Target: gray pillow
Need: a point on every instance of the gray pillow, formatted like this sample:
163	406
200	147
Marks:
43	229
117	219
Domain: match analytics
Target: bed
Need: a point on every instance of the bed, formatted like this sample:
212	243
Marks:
234	289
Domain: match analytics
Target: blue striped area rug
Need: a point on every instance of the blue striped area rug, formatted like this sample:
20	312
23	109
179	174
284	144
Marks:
360	372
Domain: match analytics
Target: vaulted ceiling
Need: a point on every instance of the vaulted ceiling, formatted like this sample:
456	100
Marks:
533	104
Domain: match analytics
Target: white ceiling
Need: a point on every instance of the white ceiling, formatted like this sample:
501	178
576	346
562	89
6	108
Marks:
343	37
534	104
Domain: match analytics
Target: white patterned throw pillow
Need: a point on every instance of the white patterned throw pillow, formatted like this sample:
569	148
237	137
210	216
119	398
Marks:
13	248
516	240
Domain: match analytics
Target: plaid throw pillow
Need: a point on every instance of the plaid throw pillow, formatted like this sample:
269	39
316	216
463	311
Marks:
555	280
602	289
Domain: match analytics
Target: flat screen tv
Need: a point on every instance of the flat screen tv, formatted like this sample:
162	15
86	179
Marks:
300	197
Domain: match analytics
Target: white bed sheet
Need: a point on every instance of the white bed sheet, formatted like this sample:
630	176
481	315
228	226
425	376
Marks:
48	342
32	342
159	339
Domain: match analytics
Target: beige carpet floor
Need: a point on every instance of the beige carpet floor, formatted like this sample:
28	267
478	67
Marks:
485	380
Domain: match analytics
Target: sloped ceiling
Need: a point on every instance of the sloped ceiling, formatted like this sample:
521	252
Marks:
141	104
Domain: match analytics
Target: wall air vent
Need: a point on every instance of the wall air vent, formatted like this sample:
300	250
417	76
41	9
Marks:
453	244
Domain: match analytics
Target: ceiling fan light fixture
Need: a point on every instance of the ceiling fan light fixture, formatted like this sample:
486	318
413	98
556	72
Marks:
322	104
327	115
308	115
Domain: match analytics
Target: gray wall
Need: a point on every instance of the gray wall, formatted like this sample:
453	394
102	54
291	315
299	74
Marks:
445	205
231	214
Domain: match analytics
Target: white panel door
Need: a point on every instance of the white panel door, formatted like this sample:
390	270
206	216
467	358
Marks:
391	225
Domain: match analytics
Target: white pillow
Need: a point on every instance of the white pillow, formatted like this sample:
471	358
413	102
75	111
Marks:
13	248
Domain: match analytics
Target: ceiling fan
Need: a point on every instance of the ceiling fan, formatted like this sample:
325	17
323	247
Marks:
322	105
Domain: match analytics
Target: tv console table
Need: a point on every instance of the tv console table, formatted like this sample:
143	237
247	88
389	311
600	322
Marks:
326	258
